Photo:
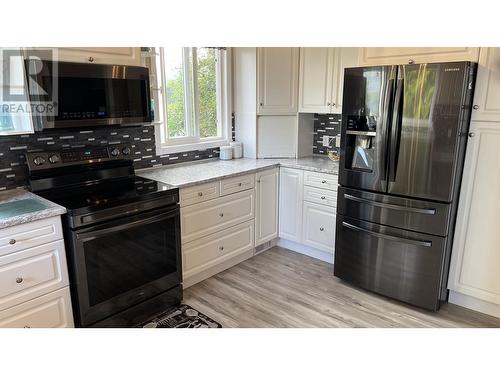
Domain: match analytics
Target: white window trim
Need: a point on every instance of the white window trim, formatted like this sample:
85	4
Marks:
186	144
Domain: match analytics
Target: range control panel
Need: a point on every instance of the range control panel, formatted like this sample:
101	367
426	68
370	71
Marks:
62	158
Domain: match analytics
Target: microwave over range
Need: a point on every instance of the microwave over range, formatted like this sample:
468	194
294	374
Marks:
89	95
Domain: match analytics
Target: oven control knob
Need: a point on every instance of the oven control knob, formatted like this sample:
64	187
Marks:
125	151
54	159
115	152
38	160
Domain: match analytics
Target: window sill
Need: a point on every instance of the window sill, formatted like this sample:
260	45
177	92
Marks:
172	149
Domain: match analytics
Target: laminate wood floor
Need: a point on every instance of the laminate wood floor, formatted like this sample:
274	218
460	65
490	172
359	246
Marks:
281	288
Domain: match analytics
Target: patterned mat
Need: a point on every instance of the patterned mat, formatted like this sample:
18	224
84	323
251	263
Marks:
182	316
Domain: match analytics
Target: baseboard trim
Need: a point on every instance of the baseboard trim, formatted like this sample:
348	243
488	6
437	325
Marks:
473	303
306	250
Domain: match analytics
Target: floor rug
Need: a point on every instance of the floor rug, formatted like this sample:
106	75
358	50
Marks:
182	316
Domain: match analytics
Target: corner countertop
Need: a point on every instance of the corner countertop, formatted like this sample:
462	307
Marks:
184	175
49	210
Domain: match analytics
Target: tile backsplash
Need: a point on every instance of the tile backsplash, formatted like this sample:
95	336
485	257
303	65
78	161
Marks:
13	170
325	124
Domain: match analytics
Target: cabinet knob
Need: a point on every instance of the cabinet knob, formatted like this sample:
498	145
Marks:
328	104
27	327
221	215
333	104
471	135
321	229
261	104
91	59
221	248
323	182
200	194
12	241
323	197
411	61
475	106
19	280
239	184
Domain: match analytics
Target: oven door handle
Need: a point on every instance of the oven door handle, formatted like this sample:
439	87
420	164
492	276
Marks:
388	237
89	233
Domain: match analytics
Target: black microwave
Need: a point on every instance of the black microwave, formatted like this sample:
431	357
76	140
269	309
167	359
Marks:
79	95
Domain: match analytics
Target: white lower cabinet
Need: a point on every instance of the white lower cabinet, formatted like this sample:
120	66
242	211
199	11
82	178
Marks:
290	197
474	269
319	227
52	310
34	282
266	224
201	254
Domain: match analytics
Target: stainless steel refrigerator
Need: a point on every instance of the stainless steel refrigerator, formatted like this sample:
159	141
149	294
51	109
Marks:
404	133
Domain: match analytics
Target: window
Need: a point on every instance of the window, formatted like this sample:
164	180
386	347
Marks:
192	98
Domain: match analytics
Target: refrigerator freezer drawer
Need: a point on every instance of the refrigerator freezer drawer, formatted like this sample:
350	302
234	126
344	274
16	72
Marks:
404	213
400	264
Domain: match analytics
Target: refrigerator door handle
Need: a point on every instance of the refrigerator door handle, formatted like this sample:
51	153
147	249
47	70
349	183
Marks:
426	211
388	237
386	123
396	126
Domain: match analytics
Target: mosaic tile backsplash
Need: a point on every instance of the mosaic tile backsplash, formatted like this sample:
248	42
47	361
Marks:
325	124
13	170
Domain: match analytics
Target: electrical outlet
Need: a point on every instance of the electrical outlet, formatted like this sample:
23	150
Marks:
326	140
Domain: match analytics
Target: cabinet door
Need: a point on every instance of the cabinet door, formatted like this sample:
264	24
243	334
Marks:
101	55
487	93
266	224
476	250
344	58
397	55
316	79
277	83
319	227
290	213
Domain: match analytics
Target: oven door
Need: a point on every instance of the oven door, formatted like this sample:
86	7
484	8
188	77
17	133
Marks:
124	262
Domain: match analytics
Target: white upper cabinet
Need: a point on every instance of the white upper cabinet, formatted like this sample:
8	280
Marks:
321	78
398	55
474	269
487	93
15	117
277	82
101	55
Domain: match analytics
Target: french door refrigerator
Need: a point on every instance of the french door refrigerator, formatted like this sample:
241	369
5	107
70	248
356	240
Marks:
404	133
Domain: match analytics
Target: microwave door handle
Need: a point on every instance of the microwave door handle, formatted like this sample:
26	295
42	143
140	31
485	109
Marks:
388	237
397	123
426	211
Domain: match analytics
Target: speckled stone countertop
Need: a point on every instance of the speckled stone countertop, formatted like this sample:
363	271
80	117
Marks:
184	175
51	209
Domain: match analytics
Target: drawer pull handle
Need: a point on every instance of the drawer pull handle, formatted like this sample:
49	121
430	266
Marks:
200	194
12	241
321	229
323	197
221	214
221	248
19	280
323	182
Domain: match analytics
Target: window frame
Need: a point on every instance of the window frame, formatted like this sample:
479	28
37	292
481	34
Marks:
191	142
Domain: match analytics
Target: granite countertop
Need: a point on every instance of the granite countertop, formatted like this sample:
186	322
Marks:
184	175
35	208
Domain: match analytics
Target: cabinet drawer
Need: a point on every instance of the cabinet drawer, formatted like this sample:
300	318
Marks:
320	196
51	310
206	252
212	216
319	227
199	193
321	180
236	184
30	273
19	237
